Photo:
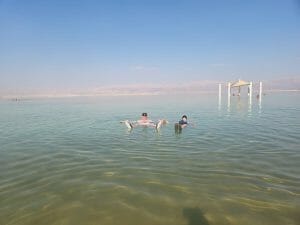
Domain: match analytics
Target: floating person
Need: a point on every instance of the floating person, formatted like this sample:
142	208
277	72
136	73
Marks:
181	124
145	122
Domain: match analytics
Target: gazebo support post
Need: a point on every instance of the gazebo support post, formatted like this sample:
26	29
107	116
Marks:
250	93
260	89
228	90
228	96
220	95
220	91
260	94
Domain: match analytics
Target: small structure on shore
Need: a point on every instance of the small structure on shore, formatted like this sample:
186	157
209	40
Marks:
239	84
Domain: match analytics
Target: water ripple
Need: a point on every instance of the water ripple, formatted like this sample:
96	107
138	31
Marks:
71	162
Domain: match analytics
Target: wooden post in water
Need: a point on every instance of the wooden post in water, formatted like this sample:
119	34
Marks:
228	91
250	92
260	94
260	89
228	96
220	95
250	89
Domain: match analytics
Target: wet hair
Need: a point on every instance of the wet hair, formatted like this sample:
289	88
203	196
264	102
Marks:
184	116
144	114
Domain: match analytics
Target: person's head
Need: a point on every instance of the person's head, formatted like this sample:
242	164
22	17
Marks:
184	118
144	115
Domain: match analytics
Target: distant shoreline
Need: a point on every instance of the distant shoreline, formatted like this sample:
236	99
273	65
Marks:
282	90
192	87
19	97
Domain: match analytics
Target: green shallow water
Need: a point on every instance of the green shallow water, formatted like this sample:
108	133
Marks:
70	161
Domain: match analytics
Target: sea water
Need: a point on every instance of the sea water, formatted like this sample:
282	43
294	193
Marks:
70	161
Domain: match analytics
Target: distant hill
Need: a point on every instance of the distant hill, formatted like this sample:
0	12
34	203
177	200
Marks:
200	86
282	84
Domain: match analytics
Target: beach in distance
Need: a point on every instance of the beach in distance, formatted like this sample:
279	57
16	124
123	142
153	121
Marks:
196	87
71	161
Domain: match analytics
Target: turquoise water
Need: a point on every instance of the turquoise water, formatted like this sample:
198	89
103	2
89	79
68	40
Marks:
71	161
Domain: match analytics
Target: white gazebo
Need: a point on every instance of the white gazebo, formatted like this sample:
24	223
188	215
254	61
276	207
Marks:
239	84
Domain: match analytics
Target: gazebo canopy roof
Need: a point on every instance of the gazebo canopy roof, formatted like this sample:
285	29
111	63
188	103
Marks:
240	83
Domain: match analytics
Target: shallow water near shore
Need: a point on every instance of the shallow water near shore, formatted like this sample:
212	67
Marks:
71	161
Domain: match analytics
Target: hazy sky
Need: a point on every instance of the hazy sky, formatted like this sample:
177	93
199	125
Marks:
87	43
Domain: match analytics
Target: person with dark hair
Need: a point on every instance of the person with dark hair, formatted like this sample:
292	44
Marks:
145	120
183	122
